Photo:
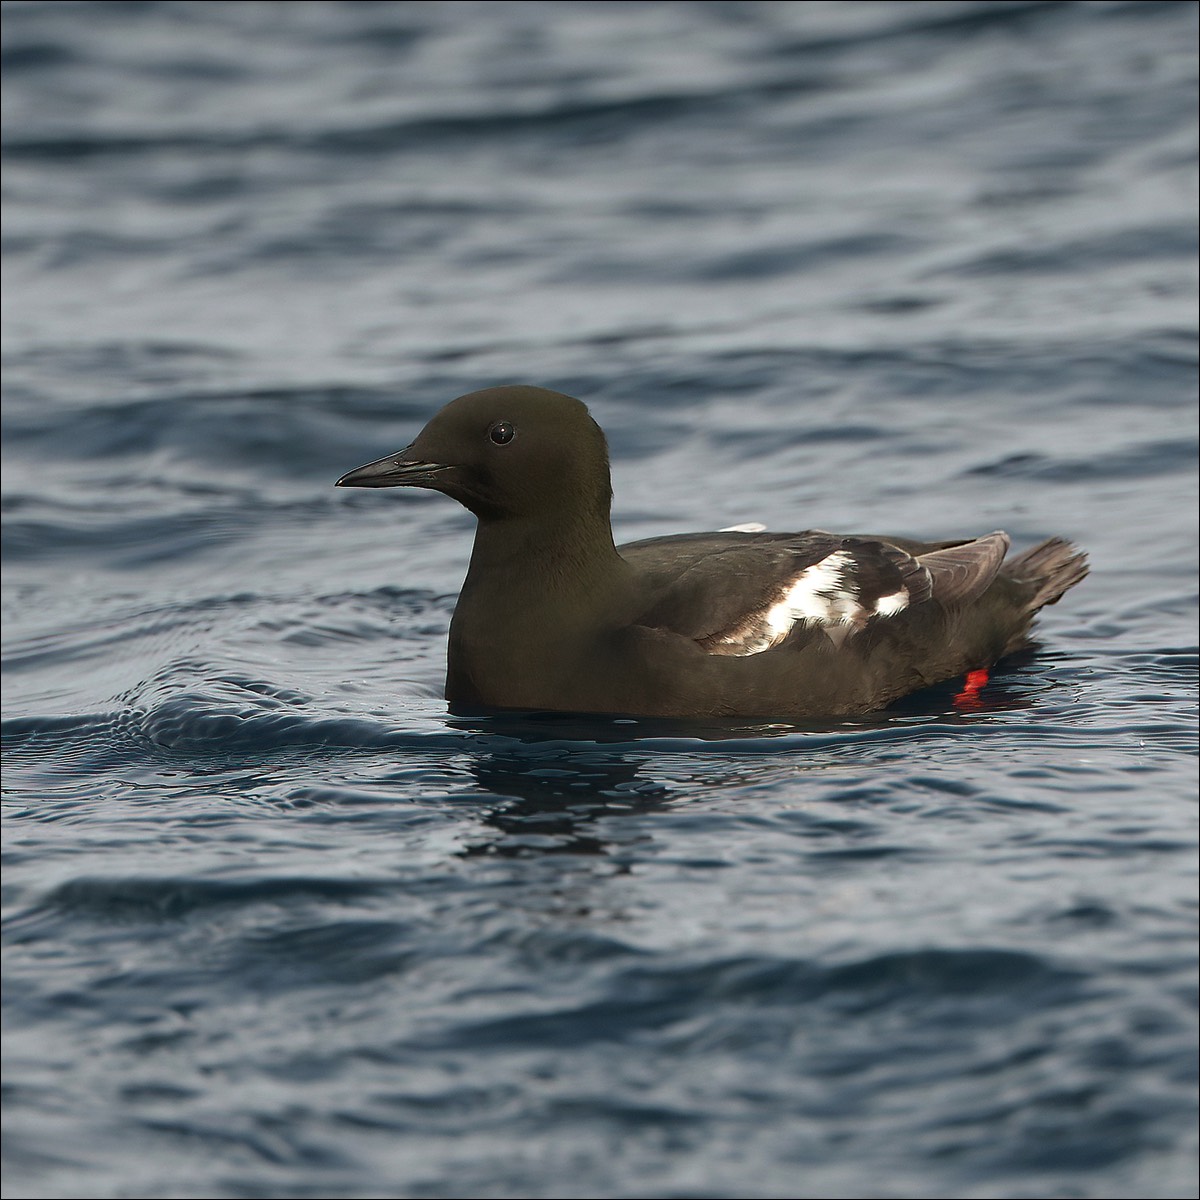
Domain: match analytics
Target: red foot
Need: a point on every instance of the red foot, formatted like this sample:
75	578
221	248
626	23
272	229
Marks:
969	697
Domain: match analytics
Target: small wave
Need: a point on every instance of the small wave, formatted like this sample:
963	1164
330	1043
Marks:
140	898
384	137
193	725
1163	241
1144	460
644	999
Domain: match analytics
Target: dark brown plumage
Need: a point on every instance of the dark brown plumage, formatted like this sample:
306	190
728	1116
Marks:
553	615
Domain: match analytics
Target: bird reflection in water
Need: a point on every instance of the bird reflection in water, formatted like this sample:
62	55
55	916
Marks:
556	776
553	785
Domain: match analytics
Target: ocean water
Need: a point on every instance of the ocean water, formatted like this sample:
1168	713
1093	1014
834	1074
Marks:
275	924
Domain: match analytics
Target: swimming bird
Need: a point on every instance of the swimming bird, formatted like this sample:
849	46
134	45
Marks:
554	616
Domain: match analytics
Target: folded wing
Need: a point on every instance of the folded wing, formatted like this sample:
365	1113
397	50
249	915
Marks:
742	593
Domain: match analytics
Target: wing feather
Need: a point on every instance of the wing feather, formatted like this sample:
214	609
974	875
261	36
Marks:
742	594
961	573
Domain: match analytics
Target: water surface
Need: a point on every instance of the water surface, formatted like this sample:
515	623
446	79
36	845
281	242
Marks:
276	924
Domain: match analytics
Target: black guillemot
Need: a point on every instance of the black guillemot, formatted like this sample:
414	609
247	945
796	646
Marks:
554	616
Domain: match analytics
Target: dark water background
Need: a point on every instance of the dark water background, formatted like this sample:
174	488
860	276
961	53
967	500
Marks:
274	924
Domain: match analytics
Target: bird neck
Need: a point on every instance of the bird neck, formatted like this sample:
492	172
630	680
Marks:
563	565
535	593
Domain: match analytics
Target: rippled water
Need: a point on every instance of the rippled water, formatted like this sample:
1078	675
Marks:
274	923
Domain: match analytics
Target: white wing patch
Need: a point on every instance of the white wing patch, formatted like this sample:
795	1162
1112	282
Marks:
748	527
819	595
824	595
889	606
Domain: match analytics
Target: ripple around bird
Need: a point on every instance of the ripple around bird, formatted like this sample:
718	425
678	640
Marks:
275	923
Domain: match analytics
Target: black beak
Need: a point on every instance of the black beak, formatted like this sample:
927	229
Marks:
396	470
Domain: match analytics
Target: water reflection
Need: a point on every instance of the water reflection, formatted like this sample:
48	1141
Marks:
552	797
576	728
556	777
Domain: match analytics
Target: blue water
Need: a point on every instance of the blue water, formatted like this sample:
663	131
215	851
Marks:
275	924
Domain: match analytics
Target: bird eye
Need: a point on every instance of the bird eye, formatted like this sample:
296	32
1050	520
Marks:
502	433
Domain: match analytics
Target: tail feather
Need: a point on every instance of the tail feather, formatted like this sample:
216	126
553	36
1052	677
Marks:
1051	567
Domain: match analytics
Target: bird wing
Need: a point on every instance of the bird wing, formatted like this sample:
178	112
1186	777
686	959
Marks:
742	594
